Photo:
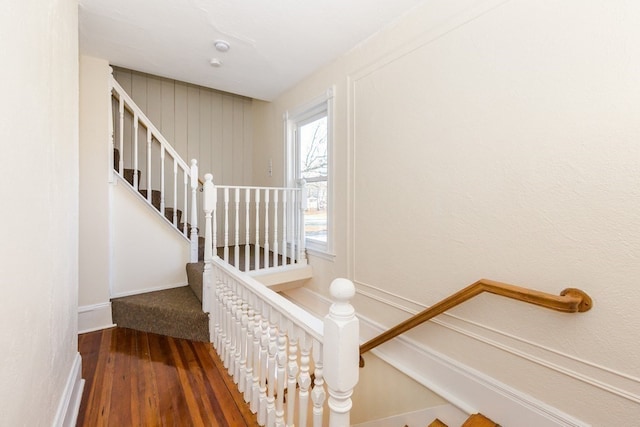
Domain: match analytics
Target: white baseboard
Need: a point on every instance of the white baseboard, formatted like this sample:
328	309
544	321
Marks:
145	290
94	317
67	413
469	390
448	414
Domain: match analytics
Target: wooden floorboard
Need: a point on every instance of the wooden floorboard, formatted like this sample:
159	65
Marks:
136	378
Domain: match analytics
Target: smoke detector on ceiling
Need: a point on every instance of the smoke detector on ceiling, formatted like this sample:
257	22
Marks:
222	45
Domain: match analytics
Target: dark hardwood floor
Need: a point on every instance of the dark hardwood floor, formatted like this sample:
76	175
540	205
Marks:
141	379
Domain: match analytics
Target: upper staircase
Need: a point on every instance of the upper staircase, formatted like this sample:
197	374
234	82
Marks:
259	227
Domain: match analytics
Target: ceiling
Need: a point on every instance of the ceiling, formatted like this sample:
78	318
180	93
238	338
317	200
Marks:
273	43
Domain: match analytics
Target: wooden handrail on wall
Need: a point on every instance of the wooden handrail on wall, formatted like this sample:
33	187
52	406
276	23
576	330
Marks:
570	300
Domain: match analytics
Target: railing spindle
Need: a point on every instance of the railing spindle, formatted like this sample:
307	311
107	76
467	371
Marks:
247	245
257	337
264	359
304	379
285	210
162	179
266	228
256	245
226	224
249	355
281	381
272	367
318	395
149	187
236	253
194	210
275	228
121	135
175	193
292	375
185	203
135	152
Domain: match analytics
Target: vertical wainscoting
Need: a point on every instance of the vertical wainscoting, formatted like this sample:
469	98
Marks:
212	126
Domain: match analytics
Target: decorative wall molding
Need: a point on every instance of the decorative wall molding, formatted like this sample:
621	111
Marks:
471	390
67	413
94	317
607	379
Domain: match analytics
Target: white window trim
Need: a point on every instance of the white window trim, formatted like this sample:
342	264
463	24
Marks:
291	118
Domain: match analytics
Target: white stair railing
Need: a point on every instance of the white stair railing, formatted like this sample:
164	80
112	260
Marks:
257	228
125	130
273	348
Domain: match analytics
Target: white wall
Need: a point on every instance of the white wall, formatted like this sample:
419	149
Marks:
39	191
95	200
148	253
494	139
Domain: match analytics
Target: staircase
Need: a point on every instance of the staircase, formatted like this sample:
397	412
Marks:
257	227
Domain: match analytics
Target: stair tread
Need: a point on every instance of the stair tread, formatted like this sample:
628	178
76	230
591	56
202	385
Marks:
437	423
479	420
175	312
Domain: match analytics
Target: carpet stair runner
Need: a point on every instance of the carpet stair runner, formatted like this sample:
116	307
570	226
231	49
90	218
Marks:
175	312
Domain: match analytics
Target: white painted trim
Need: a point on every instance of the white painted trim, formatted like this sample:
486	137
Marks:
67	413
448	414
469	390
94	317
153	289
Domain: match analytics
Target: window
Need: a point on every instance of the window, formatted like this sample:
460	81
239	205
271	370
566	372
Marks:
309	150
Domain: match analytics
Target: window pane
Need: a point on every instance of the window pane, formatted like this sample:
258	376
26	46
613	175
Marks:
313	168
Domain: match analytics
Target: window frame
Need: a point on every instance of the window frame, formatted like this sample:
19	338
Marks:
306	113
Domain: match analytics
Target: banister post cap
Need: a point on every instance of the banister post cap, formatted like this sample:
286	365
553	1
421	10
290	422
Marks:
208	177
194	162
342	290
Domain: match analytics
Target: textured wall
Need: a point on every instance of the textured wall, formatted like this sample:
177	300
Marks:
39	188
500	140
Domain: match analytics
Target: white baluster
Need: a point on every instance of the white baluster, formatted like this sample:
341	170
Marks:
341	352
266	228
318	395
275	228
238	334
236	251
194	210
272	367
249	355
231	337
135	152
185	204
207	204
121	135
281	380
292	376
244	336
226	224
247	247
162	179
257	243
111	130
215	222
149	165
304	378
257	336
285	214
175	192
264	358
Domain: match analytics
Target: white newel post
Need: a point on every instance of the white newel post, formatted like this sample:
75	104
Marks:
208	202
341	352
194	210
